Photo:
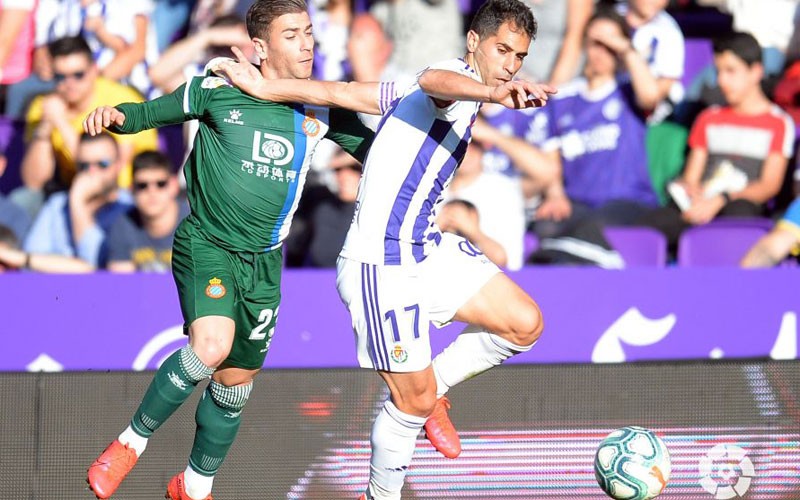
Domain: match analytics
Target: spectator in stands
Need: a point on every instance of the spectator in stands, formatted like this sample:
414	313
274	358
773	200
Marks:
494	203
368	49
54	121
326	215
461	217
12	216
75	223
14	259
780	243
594	128
16	43
188	56
141	239
331	20
773	23
557	51
420	32
118	32
739	153
659	40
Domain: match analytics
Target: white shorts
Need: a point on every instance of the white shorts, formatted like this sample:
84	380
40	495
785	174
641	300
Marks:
392	306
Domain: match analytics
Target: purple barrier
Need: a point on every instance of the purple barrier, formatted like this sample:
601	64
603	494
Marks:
124	322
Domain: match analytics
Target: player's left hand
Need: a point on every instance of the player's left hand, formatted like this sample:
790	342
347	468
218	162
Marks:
519	94
241	72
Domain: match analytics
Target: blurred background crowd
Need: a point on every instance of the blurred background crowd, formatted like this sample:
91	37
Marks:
674	130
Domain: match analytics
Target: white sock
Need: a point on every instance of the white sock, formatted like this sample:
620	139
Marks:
394	436
473	352
133	440
198	486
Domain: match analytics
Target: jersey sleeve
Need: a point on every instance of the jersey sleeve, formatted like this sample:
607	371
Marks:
454	110
347	131
187	102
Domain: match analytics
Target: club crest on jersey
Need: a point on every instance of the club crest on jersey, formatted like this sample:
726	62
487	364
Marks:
399	355
272	149
215	288
311	126
235	114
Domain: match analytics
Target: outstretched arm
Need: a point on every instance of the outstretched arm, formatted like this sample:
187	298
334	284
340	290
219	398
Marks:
446	85
362	97
130	118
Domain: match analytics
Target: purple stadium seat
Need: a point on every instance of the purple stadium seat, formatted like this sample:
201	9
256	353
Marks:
529	245
717	244
758	222
638	246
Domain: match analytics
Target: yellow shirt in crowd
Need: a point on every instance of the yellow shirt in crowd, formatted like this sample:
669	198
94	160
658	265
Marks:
106	93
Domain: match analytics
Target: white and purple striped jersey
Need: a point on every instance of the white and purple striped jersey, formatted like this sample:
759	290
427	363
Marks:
417	148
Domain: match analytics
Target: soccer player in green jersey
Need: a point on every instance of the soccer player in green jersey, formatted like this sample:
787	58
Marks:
244	178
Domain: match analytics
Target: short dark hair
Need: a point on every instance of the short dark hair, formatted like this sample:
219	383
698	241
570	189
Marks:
68	46
742	45
102	136
607	13
492	14
151	160
261	14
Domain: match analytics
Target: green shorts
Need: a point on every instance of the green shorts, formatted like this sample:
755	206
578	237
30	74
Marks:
243	286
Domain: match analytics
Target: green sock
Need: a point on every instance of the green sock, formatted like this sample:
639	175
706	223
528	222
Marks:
218	417
172	384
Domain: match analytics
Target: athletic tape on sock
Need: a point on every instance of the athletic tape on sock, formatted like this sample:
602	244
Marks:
194	369
232	398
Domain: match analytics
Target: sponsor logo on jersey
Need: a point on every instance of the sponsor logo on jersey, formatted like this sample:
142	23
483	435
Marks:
311	126
399	355
235	114
215	288
213	82
272	149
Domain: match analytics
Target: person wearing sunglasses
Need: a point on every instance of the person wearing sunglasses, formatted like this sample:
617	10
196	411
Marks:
75	223
53	122
142	239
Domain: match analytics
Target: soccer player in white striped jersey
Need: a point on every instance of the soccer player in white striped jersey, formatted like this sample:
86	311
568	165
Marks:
397	272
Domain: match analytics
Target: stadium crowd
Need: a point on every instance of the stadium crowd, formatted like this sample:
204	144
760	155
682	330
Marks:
670	115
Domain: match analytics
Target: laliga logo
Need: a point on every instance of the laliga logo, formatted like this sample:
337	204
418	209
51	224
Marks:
159	348
720	460
633	328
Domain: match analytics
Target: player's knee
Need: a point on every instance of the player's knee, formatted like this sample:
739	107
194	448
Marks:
527	325
230	397
211	351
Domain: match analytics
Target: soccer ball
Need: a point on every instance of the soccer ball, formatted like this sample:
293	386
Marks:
632	463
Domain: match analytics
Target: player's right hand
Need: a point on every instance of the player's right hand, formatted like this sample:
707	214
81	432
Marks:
519	94
103	117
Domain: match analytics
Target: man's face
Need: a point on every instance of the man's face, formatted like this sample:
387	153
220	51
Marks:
600	60
736	79
647	9
154	190
289	51
74	76
499	57
99	159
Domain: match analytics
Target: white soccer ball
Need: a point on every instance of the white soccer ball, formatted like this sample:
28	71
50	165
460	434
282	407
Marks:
632	463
